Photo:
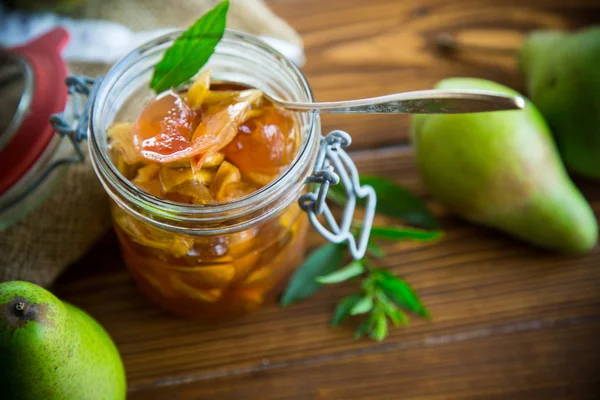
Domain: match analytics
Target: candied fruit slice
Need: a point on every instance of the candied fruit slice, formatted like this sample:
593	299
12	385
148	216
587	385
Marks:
226	174
163	130
206	295
220	97
205	176
210	276
145	179
258	178
151	187
198	193
148	236
213	160
196	93
146	173
183	163
209	249
290	216
236	190
242	242
173	177
127	170
121	140
219	125
259	277
243	265
265	143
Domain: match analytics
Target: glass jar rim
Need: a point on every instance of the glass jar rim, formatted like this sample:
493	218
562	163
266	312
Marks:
177	211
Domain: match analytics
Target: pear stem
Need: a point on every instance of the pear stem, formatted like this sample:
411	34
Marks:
448	44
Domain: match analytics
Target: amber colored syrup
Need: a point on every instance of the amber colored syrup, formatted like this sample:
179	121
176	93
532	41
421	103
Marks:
225	149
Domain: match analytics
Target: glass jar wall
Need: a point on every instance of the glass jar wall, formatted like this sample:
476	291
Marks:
213	260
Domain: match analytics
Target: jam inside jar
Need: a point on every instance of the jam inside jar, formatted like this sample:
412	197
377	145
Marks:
204	180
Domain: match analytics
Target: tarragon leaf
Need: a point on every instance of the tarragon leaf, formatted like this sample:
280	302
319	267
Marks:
365	327
342	311
402	294
351	270
404	233
363	306
190	51
322	261
380	330
391	310
375	250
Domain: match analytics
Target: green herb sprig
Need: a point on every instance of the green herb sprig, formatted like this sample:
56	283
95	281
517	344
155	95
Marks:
382	298
191	50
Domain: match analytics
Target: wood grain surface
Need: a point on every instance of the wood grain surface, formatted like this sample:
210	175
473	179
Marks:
509	321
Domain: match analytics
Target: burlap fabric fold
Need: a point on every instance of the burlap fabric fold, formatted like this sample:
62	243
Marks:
44	243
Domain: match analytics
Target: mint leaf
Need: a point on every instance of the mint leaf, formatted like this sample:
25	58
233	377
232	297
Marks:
391	310
342	311
364	305
351	270
365	327
321	261
380	331
375	250
401	293
337	195
190	51
361	330
404	233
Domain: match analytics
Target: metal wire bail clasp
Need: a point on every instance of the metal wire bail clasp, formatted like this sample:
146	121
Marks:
334	165
73	122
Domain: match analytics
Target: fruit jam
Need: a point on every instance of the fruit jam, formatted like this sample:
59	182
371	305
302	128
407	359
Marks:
208	145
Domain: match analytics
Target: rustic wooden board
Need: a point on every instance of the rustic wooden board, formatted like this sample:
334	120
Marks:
510	321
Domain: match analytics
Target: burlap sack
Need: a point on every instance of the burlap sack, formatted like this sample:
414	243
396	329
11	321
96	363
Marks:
40	246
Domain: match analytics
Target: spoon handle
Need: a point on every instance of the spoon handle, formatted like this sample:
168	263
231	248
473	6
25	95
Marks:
418	102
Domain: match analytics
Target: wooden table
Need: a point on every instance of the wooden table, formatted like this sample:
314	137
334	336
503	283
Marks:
509	321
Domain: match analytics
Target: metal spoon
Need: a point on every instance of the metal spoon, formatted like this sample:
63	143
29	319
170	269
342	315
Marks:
417	102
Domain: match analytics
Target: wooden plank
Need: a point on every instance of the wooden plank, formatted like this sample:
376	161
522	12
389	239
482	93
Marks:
471	280
358	48
476	364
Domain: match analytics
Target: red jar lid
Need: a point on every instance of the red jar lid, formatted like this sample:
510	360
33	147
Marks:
44	74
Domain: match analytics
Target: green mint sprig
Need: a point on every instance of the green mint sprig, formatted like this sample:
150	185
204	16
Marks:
191	50
382	298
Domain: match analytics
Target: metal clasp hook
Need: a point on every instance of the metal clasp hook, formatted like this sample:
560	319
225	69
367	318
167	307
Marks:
74	124
334	165
71	123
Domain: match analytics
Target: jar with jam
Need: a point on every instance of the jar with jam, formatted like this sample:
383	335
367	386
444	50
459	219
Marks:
205	180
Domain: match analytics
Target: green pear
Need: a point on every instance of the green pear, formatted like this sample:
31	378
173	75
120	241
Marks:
562	73
502	169
52	350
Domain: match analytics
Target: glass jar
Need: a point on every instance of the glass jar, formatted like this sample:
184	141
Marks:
207	261
32	157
